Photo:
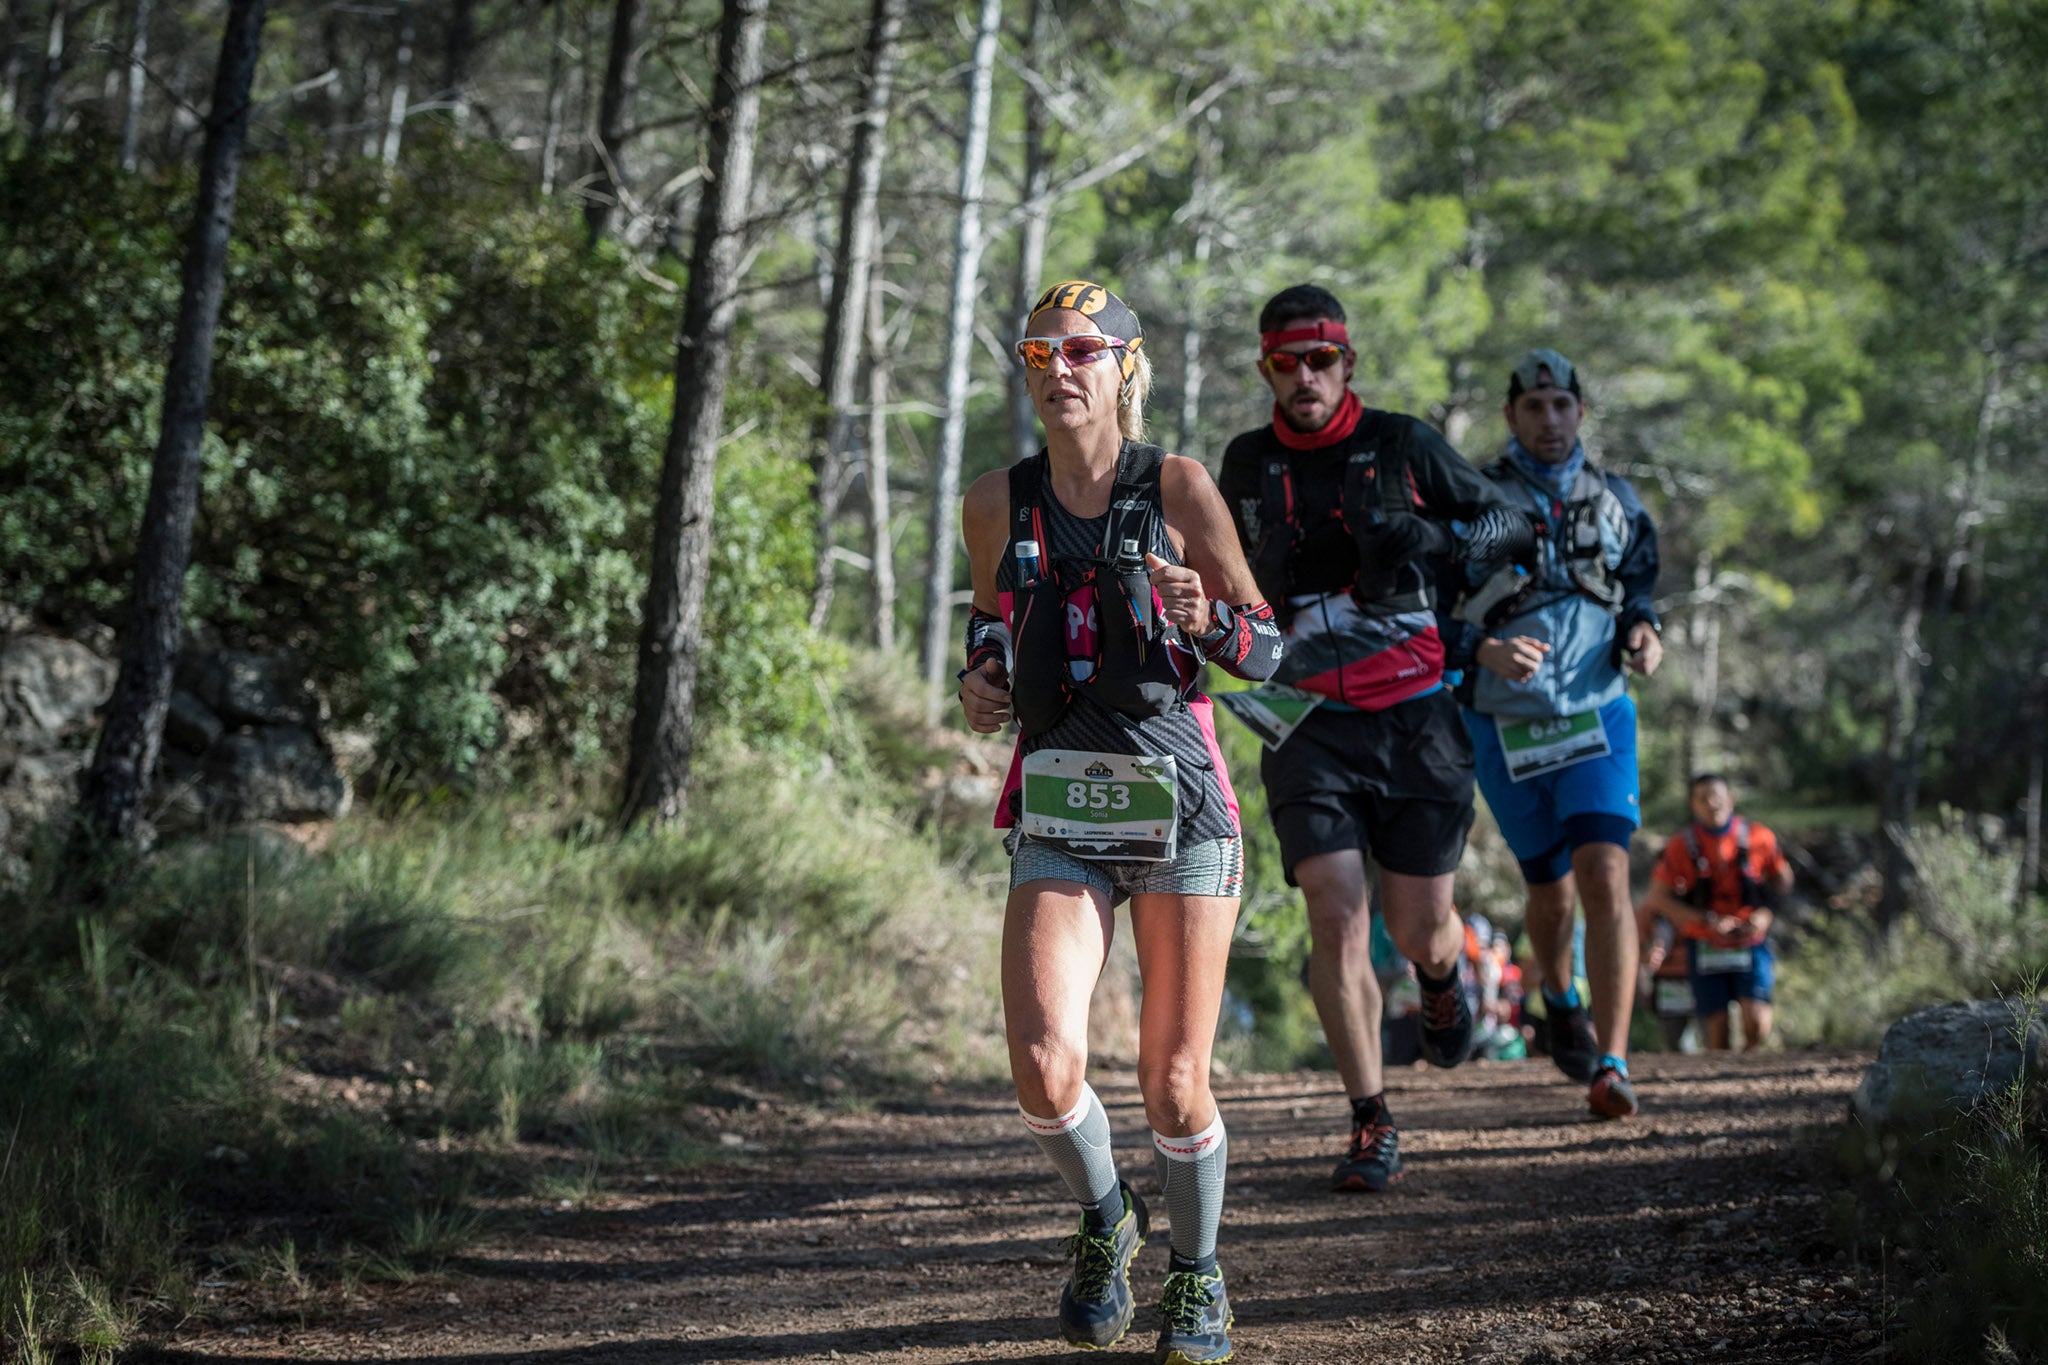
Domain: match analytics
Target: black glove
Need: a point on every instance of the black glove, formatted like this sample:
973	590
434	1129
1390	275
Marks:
1402	537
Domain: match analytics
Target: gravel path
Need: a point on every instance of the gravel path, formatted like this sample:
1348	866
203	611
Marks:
1525	1233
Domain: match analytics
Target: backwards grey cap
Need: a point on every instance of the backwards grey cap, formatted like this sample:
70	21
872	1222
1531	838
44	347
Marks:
1528	373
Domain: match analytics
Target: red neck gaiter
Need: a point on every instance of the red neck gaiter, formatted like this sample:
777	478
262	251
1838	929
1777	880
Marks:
1341	424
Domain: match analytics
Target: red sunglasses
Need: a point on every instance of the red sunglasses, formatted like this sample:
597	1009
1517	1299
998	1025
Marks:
1287	362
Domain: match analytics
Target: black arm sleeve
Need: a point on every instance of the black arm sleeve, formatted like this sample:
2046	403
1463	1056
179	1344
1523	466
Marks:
1451	489
988	637
1242	488
1253	648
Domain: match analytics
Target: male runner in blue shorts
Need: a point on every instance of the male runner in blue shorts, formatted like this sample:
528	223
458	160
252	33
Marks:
1553	727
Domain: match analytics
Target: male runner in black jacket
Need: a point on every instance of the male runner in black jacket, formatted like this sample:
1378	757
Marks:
1339	506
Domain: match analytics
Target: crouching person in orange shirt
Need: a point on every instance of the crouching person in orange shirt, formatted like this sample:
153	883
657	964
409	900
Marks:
1719	882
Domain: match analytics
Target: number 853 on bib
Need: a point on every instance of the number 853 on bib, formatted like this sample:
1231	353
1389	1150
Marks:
1117	807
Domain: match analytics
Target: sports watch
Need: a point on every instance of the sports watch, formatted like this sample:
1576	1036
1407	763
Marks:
1225	625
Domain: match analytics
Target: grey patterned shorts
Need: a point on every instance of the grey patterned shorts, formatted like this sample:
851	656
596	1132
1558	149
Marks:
1213	868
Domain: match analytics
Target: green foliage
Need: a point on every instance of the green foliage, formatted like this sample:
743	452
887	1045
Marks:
431	432
1276	1027
1842	983
1962	1209
436	423
485	974
767	680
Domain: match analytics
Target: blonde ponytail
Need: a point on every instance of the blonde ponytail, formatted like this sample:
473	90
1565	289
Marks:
1130	402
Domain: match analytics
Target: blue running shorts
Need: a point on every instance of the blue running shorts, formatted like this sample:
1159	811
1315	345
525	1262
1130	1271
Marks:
1713	992
1545	817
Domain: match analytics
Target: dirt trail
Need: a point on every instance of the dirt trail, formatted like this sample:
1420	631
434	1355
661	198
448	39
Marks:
1524	1234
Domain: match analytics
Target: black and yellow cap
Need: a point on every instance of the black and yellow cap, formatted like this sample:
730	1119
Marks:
1106	310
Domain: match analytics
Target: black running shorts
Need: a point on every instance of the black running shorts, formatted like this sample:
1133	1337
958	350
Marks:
1394	784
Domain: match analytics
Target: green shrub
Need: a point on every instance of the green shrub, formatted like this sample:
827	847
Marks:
1967	1202
435	431
1843	982
1269	1021
489	974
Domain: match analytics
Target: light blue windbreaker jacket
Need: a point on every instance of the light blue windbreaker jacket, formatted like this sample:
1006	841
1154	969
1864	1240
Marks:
1583	671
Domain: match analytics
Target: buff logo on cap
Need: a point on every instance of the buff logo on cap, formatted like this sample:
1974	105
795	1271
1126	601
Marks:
1105	309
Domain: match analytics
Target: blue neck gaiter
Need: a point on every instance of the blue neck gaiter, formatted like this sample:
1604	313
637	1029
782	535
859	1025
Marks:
1557	477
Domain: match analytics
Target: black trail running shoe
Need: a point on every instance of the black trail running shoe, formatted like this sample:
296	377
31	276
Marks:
1097	1305
1573	1045
1197	1319
1446	1025
1374	1162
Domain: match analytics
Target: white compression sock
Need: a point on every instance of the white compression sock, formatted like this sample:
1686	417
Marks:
1078	1144
1191	1175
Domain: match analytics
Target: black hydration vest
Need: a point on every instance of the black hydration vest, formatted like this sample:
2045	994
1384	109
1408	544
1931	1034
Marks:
1132	672
1701	894
1376	483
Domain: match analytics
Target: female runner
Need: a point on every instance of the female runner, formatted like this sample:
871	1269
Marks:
1105	573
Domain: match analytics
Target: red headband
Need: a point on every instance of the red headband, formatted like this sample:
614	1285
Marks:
1270	342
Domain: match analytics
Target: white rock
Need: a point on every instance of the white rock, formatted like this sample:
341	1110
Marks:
49	686
1947	1057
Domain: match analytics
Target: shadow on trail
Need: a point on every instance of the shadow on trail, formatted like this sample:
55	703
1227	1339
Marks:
916	1236
958	1336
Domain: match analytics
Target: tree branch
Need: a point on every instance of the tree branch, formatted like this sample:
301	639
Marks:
1123	160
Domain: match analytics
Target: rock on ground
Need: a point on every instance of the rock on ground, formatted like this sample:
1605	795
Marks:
273	772
1948	1057
50	687
246	688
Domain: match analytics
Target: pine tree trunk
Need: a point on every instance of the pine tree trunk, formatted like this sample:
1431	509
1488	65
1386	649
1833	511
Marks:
401	86
11	64
967	246
839	365
1916	681
615	106
2030	857
1037	220
1193	371
104	21
50	111
460	53
551	141
1703	641
372	87
124	761
1896	867
881	540
671	632
131	109
338	99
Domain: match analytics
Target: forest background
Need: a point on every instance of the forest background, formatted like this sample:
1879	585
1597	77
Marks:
1800	253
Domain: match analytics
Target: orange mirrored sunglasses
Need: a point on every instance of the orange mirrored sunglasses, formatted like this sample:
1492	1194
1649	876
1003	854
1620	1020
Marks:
1319	358
1080	349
